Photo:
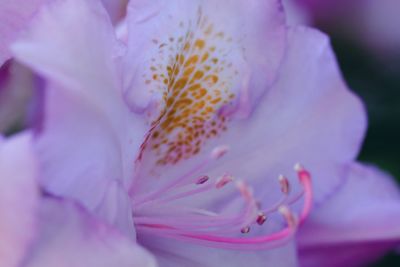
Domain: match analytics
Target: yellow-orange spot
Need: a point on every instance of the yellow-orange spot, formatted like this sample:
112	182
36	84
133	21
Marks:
199	44
205	57
198	75
192	60
193	88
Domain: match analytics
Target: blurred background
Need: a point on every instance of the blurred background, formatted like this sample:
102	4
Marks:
365	35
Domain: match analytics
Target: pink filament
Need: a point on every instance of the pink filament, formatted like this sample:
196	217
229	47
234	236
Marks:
193	227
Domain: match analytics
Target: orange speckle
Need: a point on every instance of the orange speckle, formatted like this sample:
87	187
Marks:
193	89
198	75
205	57
192	60
199	44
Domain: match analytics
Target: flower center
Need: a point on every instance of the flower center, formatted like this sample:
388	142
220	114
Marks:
168	212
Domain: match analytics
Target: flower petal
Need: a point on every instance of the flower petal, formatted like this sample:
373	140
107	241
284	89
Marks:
73	44
70	237
116	9
18	198
171	253
246	51
349	254
362	215
189	64
14	17
83	158
309	116
89	137
368	199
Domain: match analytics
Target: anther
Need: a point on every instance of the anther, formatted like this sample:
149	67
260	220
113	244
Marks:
298	167
245	230
203	179
284	182
223	180
303	174
288	215
219	151
261	218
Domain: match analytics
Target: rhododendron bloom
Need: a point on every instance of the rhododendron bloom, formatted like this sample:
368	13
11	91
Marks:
177	133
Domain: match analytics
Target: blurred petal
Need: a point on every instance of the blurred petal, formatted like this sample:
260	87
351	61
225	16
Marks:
172	253
82	157
89	138
363	211
70	237
348	254
72	43
18	199
116	9
14	17
295	13
116	208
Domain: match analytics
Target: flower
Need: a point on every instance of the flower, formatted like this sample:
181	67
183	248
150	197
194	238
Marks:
43	231
177	136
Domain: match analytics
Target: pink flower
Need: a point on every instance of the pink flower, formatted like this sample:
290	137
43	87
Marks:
177	136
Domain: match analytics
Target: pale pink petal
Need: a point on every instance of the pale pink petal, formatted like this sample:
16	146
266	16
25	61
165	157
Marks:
72	43
116	9
83	158
309	116
15	15
252	41
228	66
70	237
18	199
363	215
172	253
89	138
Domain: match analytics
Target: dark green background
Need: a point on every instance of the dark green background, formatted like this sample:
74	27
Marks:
377	82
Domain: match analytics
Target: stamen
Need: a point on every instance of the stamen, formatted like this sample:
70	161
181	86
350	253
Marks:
223	180
216	229
219	151
261	219
284	182
186	178
245	190
305	180
289	216
245	230
189	193
203	179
